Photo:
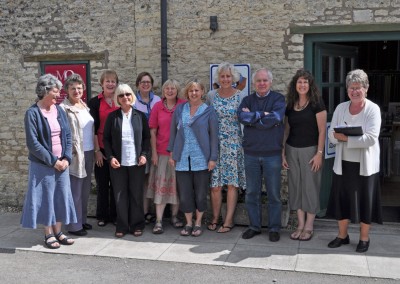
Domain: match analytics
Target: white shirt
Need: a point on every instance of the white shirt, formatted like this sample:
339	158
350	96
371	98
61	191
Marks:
128	151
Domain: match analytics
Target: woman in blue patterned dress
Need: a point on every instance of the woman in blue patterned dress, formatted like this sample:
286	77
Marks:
230	165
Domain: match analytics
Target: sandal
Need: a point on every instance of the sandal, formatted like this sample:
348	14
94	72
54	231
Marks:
187	231
197	231
65	240
306	235
158	228
138	233
176	223
296	234
225	229
119	235
149	218
51	244
101	223
212	226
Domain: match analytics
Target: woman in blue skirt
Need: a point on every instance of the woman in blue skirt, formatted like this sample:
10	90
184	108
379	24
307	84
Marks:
48	137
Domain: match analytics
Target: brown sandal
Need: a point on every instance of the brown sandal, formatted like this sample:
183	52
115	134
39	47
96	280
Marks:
296	234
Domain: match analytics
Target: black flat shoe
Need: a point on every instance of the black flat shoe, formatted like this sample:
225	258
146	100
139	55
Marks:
274	236
87	226
337	242
362	246
80	233
249	233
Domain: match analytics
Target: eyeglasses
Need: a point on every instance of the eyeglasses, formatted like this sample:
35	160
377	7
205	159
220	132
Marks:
355	89
124	95
145	82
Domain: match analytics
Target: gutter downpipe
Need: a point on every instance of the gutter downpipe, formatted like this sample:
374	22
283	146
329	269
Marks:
164	40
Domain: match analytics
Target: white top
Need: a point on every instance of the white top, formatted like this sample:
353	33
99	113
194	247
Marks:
128	151
367	144
86	121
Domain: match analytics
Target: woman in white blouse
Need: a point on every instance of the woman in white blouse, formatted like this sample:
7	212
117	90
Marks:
80	170
126	144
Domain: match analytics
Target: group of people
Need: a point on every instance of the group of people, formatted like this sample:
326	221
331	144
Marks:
173	150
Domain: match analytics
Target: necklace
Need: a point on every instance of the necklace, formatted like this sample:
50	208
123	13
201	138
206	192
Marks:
299	107
169	108
109	101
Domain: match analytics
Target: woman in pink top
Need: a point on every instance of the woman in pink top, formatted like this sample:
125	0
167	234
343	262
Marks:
162	185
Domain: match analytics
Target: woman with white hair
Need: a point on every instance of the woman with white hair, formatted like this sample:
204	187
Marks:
355	194
48	138
126	144
229	170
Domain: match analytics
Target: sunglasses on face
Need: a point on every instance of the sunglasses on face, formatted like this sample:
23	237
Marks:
124	95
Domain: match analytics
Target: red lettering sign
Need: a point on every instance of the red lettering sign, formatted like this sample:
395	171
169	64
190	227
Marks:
62	71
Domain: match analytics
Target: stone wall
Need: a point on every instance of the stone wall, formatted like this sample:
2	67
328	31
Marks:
127	33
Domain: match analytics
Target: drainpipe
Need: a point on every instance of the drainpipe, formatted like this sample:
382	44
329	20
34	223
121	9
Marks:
164	47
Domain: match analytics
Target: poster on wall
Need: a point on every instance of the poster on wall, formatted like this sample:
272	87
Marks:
329	147
243	83
62	71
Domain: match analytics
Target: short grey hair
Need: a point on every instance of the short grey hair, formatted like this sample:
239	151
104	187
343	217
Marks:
357	76
73	78
45	83
269	73
226	66
171	82
123	89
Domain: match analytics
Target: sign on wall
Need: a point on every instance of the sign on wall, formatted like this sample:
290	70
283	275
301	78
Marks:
63	70
244	82
329	147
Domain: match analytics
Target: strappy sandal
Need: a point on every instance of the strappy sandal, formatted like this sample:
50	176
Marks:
64	241
119	235
158	228
187	231
296	234
306	235
176	223
212	226
197	231
225	229
50	244
138	233
149	218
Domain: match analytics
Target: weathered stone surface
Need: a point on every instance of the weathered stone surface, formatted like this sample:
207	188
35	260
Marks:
127	34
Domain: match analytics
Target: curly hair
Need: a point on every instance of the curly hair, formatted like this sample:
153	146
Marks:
45	83
313	94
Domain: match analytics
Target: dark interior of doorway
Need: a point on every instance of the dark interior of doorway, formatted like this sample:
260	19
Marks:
381	61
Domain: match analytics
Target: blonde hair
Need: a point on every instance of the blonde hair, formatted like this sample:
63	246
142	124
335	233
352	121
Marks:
190	85
171	82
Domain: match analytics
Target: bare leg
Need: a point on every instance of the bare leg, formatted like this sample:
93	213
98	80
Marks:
300	224
189	219
216	203
364	231
343	225
308	228
160	211
199	217
174	210
231	201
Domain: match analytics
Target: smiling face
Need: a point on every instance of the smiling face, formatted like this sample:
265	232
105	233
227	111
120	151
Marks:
225	79
357	92
75	92
262	82
195	93
170	92
51	97
302	86
125	100
109	85
145	85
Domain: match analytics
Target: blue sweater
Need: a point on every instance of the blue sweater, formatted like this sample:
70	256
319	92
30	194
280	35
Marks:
263	134
204	127
38	136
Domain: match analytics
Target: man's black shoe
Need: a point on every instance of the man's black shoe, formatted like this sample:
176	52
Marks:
249	233
79	233
274	236
86	226
337	242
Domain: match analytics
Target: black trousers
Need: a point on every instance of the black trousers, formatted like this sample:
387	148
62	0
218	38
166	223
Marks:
128	193
105	197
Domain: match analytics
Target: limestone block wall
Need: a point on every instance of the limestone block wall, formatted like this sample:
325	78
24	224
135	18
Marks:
127	35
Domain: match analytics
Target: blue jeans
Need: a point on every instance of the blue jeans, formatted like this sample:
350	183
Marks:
270	168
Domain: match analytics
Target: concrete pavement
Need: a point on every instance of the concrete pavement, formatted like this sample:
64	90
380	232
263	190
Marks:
381	261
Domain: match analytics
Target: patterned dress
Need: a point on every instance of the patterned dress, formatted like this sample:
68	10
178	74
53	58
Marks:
230	164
